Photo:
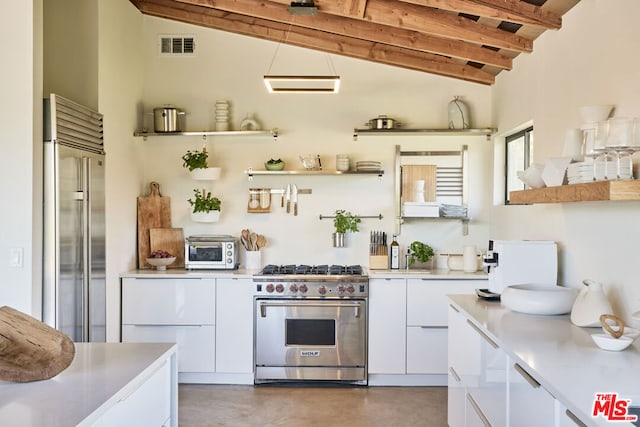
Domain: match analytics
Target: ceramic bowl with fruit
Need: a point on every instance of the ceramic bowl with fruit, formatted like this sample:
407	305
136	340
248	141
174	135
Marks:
160	259
274	165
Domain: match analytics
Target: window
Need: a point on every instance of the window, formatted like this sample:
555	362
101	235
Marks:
519	152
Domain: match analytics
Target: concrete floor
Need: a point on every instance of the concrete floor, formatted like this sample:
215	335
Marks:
224	405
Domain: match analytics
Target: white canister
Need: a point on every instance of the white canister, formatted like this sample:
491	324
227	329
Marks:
573	148
470	258
253	260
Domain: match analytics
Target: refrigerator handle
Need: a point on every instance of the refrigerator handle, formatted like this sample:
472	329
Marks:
86	252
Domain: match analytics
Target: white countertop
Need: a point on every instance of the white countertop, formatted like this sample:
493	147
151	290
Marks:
83	391
181	273
560	355
426	274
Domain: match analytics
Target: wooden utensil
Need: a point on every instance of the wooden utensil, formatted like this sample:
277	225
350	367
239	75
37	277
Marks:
253	241
261	241
170	240
154	211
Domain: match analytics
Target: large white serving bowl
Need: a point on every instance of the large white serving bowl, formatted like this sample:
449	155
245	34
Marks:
538	299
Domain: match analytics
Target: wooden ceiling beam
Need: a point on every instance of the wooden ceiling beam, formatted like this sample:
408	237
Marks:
354	8
359	29
515	11
331	43
430	21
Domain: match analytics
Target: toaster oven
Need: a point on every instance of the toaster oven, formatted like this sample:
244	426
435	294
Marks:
210	252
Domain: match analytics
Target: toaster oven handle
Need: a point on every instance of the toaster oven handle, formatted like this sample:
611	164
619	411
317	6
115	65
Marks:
265	304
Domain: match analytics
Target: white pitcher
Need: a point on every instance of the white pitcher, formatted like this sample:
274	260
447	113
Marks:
590	303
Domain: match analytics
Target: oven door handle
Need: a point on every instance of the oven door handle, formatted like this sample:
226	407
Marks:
265	304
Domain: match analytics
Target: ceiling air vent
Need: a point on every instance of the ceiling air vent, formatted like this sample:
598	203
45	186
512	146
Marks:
173	45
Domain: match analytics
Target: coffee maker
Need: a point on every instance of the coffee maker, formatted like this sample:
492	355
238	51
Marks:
514	262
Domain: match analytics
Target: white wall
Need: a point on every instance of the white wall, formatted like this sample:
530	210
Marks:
590	61
20	140
120	91
71	50
315	124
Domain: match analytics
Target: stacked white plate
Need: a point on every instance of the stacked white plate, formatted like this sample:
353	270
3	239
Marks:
580	172
222	116
453	211
368	166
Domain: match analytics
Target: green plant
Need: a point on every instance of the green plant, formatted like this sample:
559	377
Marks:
345	221
195	159
204	201
420	252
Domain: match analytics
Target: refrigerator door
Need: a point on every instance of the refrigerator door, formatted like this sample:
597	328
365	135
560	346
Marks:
74	282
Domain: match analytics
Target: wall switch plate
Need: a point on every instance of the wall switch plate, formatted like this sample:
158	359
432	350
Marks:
16	257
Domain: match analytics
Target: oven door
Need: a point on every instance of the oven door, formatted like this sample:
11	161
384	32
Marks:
293	332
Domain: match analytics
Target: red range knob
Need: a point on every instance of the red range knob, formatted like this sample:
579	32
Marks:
341	289
322	290
351	289
303	288
270	288
279	288
293	288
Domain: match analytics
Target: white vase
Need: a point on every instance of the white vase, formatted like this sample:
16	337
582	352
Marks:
212	216
458	114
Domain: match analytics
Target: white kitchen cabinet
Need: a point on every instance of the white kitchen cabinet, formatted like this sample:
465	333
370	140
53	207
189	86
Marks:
565	418
530	405
427	323
196	343
148	405
234	326
387	326
489	388
173	310
464	366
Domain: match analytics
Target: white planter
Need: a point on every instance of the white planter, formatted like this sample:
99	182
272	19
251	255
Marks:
208	174
212	216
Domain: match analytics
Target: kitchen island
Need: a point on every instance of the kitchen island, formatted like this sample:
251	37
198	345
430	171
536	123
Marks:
107	384
495	353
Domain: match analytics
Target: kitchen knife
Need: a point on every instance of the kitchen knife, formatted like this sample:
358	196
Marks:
287	196
294	199
282	199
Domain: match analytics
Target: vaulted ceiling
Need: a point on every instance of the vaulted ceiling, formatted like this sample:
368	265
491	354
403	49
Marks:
472	40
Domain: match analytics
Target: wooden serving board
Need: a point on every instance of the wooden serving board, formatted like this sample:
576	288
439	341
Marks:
154	211
411	173
170	240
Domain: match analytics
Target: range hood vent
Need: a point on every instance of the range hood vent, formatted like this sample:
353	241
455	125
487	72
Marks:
303	7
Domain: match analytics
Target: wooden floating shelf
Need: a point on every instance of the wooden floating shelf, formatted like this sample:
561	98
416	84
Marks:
586	192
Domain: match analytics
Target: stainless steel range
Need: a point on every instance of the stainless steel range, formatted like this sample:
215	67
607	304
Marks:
311	324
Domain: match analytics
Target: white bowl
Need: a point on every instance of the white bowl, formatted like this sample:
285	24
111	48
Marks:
555	171
607	342
208	174
595	113
539	299
161	263
532	176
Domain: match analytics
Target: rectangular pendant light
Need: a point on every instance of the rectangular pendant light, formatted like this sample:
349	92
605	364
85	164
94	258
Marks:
302	84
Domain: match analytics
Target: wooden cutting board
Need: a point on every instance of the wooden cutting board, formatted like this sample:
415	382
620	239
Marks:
170	240
154	211
411	173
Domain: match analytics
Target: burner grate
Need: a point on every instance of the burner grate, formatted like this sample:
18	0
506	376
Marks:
303	269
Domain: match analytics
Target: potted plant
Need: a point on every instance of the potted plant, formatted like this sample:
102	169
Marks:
196	162
419	255
343	222
206	208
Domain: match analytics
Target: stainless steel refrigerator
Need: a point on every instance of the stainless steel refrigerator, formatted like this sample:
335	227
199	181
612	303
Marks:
74	221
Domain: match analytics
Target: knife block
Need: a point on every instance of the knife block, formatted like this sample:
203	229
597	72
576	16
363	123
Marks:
378	262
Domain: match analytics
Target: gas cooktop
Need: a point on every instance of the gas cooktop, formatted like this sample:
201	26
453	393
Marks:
302	269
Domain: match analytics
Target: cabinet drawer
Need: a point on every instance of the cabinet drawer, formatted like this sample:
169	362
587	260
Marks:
196	344
147	405
168	301
427	300
426	350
